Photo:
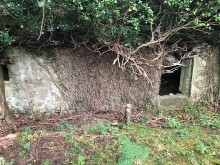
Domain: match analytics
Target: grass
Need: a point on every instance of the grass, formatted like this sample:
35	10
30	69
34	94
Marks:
190	138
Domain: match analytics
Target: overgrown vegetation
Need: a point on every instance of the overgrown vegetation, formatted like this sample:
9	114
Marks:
175	139
124	26
131	152
129	28
3	162
26	137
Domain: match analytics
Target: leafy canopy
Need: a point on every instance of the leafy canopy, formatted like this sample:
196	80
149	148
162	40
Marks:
128	22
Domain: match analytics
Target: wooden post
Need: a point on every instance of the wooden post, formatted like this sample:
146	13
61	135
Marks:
128	113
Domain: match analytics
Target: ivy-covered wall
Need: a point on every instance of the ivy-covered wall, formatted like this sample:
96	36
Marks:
75	80
81	80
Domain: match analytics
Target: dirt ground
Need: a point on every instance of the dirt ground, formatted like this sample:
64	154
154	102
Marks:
46	146
48	143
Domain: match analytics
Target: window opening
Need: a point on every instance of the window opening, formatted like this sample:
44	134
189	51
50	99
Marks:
5	72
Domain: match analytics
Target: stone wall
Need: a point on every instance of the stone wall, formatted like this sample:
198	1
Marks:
199	79
78	80
205	74
30	87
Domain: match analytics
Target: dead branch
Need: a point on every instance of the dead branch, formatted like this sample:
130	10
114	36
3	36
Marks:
42	21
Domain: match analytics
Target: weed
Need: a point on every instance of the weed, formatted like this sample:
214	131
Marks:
201	148
168	140
148	104
144	120
70	161
103	152
46	162
127	127
185	153
167	137
213	123
81	160
131	152
65	125
3	162
193	160
217	137
69	134
105	128
21	154
71	137
159	160
210	121
191	108
102	129
26	137
182	132
173	122
77	149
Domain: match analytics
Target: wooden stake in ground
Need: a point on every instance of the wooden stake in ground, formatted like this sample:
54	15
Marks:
128	109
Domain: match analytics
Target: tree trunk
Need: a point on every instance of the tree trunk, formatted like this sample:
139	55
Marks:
4	109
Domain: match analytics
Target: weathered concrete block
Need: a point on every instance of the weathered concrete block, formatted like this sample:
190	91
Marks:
30	87
199	79
206	74
172	100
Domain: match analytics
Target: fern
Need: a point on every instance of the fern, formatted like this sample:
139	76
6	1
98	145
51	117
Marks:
131	152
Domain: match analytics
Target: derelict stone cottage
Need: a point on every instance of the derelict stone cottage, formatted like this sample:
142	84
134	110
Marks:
68	79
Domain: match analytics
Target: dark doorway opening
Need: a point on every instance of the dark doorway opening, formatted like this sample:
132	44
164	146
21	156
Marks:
170	83
5	72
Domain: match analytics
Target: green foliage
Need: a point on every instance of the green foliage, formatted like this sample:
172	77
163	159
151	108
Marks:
167	146
5	39
3	162
201	148
109	21
168	137
71	137
102	129
185	153
182	132
214	123
192	109
173	122
193	161
46	162
208	121
26	137
21	154
148	105
81	160
77	149
65	125
131	152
